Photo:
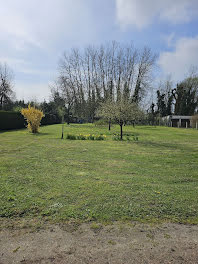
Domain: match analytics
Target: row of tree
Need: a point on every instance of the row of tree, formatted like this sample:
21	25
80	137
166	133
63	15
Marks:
95	75
93	79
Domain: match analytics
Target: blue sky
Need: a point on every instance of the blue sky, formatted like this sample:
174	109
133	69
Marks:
34	34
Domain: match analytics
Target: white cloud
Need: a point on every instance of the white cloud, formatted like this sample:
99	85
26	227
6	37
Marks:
33	91
34	33
169	39
40	24
22	66
181	59
15	27
141	13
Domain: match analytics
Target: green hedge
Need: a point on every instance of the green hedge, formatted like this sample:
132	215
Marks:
14	120
11	120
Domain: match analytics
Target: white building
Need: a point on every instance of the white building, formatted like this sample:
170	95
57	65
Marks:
178	121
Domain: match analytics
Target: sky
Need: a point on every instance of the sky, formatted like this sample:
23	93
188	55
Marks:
35	33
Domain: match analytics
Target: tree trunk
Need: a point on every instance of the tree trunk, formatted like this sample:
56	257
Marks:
68	116
62	132
109	124
121	124
62	127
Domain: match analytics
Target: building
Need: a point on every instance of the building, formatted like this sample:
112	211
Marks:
178	121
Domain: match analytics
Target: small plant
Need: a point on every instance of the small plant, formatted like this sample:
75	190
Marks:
33	117
81	137
100	137
135	138
96	227
71	137
111	242
116	137
90	137
84	137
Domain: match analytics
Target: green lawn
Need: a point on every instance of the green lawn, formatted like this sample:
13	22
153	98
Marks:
154	178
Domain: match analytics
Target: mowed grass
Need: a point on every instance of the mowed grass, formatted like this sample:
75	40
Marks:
152	179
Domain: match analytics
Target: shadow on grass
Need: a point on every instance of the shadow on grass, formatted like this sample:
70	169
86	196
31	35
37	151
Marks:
11	130
40	134
147	127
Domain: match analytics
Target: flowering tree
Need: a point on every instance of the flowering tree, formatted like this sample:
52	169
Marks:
33	117
120	111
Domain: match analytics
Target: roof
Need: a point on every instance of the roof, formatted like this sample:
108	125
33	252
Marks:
177	117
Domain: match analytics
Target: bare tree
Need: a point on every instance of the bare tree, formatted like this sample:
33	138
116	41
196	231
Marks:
105	73
146	61
6	85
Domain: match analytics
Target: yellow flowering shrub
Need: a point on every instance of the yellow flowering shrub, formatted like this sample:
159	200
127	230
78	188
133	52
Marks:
33	117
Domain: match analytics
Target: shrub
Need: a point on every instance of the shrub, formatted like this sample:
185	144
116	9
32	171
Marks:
11	120
49	119
33	117
101	122
72	137
15	120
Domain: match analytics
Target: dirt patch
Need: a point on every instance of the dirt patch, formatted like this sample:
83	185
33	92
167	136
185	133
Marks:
91	243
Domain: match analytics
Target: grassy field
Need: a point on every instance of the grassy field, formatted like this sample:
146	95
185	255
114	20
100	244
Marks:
152	179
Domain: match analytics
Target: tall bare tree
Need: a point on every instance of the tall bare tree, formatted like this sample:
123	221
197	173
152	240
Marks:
104	73
6	85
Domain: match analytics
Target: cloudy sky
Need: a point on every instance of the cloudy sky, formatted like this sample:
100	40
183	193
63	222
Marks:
34	34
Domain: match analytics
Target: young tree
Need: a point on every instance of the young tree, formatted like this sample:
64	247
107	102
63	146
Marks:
120	111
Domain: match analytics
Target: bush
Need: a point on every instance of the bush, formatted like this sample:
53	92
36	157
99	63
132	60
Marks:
101	122
33	117
11	120
71	137
49	119
15	120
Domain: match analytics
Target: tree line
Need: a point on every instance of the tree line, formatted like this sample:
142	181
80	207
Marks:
179	99
96	75
109	75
